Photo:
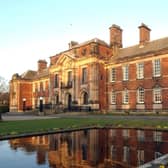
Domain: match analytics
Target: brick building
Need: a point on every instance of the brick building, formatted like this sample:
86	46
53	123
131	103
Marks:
100	76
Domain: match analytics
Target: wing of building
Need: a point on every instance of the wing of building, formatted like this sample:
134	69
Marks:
95	75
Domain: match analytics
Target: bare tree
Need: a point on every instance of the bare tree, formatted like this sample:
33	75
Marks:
4	87
4	93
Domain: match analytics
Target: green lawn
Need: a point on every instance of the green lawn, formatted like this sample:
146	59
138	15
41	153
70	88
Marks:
31	126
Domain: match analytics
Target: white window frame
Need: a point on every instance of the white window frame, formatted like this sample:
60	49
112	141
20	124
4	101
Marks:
156	68
126	133
113	74
125	97
125	69
157	136
140	70
141	157
140	95
157	95
126	153
113	97
140	135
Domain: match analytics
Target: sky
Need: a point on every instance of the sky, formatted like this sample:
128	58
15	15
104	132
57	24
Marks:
37	29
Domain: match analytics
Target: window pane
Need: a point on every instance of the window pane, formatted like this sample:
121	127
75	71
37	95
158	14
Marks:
125	96
125	72
113	97
140	70
84	75
140	95
56	81
113	74
157	95
70	76
156	68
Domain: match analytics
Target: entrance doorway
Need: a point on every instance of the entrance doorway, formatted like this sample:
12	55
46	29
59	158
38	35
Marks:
69	103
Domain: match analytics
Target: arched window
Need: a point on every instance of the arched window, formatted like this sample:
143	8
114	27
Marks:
140	95
85	98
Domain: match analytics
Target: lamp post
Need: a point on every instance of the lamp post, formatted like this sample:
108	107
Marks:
41	104
24	104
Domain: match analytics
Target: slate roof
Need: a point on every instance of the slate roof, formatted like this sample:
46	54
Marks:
147	48
28	74
31	75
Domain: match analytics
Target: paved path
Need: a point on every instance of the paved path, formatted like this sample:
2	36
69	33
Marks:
24	116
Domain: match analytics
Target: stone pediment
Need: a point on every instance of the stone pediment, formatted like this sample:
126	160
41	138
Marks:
66	60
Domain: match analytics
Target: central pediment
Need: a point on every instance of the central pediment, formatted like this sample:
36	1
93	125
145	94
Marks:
66	60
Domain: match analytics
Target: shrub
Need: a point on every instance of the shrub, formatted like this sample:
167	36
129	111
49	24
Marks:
4	108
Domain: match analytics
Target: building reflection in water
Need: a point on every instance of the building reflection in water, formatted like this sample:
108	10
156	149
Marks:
101	148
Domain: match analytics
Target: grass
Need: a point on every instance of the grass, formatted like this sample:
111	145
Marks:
37	126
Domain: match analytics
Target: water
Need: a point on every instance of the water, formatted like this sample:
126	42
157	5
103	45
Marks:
95	148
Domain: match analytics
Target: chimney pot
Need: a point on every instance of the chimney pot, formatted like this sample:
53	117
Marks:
115	36
42	64
144	34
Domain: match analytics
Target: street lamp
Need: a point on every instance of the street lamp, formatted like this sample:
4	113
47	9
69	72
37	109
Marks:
24	104
41	104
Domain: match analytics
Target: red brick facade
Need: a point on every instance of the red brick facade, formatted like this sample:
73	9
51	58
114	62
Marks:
95	75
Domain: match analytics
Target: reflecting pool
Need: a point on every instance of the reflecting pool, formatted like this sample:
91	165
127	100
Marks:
94	148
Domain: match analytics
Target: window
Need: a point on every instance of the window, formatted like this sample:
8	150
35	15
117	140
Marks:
112	132
157	136
157	95
69	78
140	95
156	68
125	96
56	84
113	97
41	86
125	133
141	158
113	74
140	70
141	135
125	73
126	155
113	152
84	75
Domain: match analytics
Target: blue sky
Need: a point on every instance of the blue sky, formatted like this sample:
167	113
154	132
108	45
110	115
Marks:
36	29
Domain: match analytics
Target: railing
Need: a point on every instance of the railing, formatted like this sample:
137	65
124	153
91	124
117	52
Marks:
68	85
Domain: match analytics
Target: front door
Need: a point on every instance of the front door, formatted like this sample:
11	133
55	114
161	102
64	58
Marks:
69	101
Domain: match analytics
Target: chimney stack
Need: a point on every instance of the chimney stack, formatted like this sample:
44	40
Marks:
42	64
115	36
144	34
72	44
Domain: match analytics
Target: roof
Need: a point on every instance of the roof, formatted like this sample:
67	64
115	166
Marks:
147	48
94	40
32	75
29	74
